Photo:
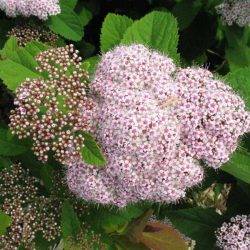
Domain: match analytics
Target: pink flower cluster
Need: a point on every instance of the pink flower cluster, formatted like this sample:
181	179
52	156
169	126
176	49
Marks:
234	234
39	8
211	115
156	122
235	11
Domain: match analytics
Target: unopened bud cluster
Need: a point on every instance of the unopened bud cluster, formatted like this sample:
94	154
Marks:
235	11
156	122
54	111
30	212
39	8
27	33
235	234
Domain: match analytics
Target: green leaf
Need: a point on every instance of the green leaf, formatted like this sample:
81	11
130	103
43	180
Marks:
197	223
158	30
9	47
5	222
239	165
113	29
238	50
13	74
91	152
91	63
118	221
69	3
183	16
4	163
10	145
239	80
70	224
67	24
85	16
19	63
238	57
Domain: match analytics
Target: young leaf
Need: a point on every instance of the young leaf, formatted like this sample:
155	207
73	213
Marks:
239	80
70	223
5	222
113	29
91	152
10	145
158	30
159	236
239	165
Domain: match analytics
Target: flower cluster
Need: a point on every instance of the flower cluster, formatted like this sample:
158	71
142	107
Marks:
234	234
39	8
212	116
235	11
138	132
27	33
30	212
155	122
55	111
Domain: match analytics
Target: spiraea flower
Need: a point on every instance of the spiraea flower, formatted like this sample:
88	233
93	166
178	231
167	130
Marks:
138	131
27	33
30	212
55	111
235	11
39	8
211	115
234	235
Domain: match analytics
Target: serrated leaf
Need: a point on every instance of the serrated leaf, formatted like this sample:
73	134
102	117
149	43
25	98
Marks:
70	224
239	165
12	79
9	47
158	30
113	29
67	24
91	152
197	223
10	145
239	80
5	222
19	63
